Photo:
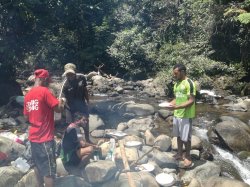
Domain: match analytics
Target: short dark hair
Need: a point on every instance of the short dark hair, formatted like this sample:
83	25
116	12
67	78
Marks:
79	115
180	67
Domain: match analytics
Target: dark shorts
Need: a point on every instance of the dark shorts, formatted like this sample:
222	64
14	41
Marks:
73	107
43	156
74	160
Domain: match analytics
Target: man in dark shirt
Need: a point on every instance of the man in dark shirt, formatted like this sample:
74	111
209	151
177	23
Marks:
76	94
74	149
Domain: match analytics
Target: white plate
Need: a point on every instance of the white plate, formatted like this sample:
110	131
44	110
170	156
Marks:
165	179
165	104
117	133
146	167
133	144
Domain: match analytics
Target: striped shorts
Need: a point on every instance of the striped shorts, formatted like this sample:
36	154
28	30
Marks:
182	127
43	156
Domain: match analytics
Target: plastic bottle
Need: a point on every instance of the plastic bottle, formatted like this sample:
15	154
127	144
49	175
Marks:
111	152
96	154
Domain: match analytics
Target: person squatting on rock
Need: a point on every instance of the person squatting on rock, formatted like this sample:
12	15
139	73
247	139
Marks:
76	94
39	107
74	150
184	111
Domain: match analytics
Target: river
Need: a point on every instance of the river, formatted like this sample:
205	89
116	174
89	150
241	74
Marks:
207	115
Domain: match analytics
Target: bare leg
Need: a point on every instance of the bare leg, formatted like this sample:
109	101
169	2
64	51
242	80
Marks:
84	154
187	160
38	177
178	156
49	181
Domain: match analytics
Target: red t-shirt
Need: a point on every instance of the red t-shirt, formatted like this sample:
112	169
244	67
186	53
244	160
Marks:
39	105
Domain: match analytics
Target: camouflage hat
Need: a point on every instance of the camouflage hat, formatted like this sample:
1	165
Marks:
69	68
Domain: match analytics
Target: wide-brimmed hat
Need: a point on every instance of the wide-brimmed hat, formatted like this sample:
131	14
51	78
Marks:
69	68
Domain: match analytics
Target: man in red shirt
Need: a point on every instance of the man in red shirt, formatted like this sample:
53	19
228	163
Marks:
39	107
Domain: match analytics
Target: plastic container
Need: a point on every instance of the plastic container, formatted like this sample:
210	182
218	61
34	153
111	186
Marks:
21	164
111	152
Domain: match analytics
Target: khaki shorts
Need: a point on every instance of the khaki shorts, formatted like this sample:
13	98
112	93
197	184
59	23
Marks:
182	127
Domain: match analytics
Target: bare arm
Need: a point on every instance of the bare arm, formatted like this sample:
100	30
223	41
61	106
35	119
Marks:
59	108
186	104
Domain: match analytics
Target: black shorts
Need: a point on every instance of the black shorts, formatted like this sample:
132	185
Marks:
43	156
74	159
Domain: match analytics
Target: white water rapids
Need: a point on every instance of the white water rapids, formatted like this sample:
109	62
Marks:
242	167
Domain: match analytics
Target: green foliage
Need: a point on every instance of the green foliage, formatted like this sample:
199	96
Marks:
137	37
244	18
132	50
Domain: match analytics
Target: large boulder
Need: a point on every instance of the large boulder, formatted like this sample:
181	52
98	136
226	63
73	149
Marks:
230	130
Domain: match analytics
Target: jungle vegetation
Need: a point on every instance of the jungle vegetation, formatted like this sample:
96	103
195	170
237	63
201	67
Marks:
134	39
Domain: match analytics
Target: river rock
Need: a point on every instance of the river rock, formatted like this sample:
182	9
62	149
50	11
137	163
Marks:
140	179
71	180
28	180
229	132
149	138
94	122
100	171
163	159
195	143
9	176
140	109
201	172
10	148
165	113
163	141
223	182
141	124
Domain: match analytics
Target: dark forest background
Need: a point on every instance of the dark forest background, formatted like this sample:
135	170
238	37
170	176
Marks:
134	39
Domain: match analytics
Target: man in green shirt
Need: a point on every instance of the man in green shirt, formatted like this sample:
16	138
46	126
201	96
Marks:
184	111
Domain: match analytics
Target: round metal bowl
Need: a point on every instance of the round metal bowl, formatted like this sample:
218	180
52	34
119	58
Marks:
165	179
133	143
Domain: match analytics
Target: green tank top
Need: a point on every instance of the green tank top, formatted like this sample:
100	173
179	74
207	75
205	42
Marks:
182	90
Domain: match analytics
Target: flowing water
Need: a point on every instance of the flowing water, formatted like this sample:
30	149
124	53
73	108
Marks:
207	116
